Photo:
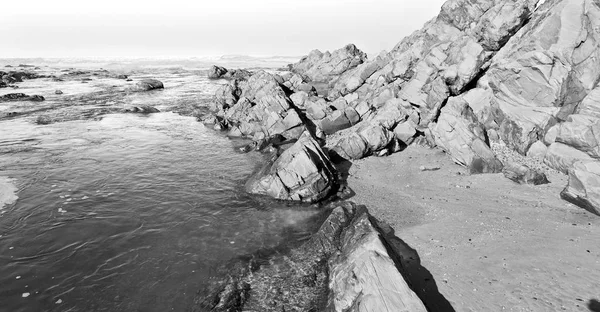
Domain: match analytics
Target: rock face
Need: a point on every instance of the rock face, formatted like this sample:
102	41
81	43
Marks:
258	107
584	186
461	135
302	173
21	97
362	274
147	85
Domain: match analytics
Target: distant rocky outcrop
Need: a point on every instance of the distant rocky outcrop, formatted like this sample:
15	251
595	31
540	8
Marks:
12	77
301	173
147	85
218	72
144	109
21	97
345	266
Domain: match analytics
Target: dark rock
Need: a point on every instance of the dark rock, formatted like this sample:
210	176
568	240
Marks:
216	72
522	174
145	109
302	173
21	97
147	85
121	76
58	92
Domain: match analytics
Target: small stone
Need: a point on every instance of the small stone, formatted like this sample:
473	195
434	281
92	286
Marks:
25	295
18	277
59	301
429	168
84	197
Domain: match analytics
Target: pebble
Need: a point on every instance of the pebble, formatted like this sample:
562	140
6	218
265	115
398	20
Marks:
429	168
18	277
11	247
59	301
70	199
61	210
84	197
25	295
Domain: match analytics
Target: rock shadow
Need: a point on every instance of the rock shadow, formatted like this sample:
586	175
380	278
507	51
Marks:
408	262
594	305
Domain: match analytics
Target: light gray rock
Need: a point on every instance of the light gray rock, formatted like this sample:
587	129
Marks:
147	85
522	174
561	157
302	173
538	150
583	188
581	132
459	133
405	132
323	67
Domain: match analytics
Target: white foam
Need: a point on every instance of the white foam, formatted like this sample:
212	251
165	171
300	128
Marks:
8	191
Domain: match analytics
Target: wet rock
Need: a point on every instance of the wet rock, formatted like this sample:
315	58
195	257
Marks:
583	188
21	97
459	133
145	109
522	174
147	85
58	92
344	266
218	72
302	173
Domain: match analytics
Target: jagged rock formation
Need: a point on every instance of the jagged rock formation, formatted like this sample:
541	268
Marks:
219	72
322	67
345	266
301	173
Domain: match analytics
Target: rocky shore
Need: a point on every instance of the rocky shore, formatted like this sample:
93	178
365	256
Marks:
481	81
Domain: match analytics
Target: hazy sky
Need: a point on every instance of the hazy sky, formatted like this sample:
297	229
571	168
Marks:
63	28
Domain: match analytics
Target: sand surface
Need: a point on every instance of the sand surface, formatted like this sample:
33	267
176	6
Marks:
489	243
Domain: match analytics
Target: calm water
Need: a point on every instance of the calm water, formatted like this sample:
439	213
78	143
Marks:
128	213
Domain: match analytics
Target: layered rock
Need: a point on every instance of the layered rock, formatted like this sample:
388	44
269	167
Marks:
462	136
344	266
584	186
323	67
301	173
258	107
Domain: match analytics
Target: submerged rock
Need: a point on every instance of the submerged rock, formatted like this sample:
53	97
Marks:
147	85
21	97
145	109
301	173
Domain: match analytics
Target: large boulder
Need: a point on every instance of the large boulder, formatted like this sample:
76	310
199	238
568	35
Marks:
461	135
258	107
584	186
302	173
323	67
561	157
361	140
147	85
216	72
345	266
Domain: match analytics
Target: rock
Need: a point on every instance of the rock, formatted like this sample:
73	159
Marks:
364	277
59	92
429	168
459	133
299	98
538	150
590	106
523	174
339	120
145	109
344	266
561	157
323	67
216	72
302	173
147	85
124	77
405	132
583	188
21	97
581	132
360	140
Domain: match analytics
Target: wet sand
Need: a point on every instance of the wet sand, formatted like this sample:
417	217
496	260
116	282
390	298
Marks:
489	243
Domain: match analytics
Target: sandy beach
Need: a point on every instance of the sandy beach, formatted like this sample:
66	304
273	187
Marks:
489	243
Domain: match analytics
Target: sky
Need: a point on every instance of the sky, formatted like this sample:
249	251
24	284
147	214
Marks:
183	28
